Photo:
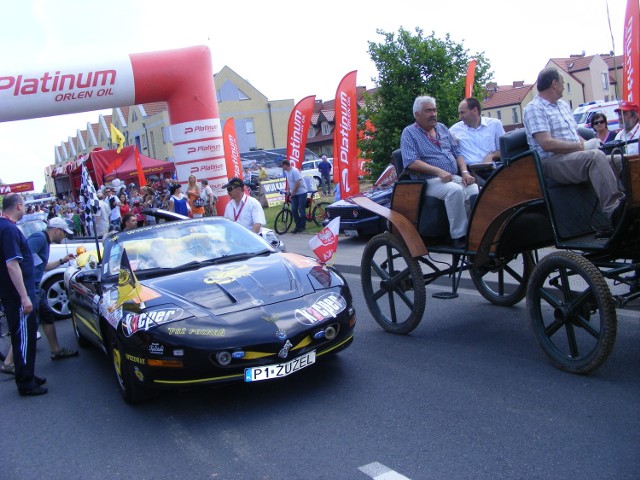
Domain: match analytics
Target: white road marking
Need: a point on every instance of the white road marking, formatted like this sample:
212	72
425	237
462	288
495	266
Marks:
377	471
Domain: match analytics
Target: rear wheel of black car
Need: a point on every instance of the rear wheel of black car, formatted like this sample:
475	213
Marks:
130	385
283	221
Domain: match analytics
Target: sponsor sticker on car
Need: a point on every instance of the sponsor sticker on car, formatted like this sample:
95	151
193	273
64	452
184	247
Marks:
269	372
351	233
327	306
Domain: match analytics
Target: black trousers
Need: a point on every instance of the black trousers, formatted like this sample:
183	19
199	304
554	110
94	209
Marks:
23	330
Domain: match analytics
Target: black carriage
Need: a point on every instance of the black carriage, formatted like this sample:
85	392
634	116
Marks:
518	214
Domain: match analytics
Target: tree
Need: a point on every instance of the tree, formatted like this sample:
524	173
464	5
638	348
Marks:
408	66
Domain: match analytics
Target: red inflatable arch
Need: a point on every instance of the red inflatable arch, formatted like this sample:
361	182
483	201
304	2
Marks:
182	78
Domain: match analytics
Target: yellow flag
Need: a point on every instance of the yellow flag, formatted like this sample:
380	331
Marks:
129	287
117	137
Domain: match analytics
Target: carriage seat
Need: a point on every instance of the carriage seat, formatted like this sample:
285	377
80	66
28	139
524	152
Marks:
574	206
431	214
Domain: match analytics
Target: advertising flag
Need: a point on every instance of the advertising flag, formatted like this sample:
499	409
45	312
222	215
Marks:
117	137
141	180
345	148
128	286
231	150
298	130
471	74
631	53
325	243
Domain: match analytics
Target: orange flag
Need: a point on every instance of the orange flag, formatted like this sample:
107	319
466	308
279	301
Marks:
345	136
231	150
631	53
141	180
471	73
298	130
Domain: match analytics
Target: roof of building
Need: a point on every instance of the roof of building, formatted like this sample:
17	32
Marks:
505	95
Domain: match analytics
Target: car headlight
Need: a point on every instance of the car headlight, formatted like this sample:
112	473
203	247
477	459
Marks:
271	237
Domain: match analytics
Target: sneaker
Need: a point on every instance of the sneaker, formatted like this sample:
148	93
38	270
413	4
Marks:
64	352
9	369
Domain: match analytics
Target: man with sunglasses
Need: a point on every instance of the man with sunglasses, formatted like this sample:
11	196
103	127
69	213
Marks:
242	208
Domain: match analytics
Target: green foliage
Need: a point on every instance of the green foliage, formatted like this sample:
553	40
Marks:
409	66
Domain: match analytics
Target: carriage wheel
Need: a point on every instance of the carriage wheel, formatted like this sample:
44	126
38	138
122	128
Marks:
571	312
393	284
509	285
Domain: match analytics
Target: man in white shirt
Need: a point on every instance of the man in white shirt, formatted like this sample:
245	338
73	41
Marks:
114	206
243	209
477	136
628	117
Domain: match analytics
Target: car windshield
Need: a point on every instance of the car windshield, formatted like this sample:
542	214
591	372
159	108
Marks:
183	243
30	227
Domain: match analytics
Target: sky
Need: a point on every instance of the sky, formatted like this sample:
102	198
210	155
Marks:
287	49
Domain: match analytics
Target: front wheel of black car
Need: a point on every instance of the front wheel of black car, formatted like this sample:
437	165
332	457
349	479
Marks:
82	341
130	385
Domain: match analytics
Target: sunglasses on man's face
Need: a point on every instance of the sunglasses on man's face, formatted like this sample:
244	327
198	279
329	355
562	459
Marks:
230	189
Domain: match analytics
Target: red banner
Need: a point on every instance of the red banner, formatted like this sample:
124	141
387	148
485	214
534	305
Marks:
231	150
631	53
141	180
298	130
471	74
16	188
344	136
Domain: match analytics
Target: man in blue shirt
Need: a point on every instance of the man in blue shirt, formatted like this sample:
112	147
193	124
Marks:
18	295
298	195
430	153
324	167
39	243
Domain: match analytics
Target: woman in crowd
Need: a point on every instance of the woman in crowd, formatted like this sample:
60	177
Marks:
124	205
196	204
178	202
600	126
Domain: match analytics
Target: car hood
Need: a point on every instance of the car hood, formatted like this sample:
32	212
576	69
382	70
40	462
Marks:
378	195
236	286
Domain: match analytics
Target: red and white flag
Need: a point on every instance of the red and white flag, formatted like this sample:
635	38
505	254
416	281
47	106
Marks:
325	243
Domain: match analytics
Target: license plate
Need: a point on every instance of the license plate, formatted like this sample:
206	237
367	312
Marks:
351	233
269	372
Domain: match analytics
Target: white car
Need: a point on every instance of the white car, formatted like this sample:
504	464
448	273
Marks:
53	280
310	168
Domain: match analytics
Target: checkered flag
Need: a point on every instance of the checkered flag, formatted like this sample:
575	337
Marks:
88	197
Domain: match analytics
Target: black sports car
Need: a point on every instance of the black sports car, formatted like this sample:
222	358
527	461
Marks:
202	301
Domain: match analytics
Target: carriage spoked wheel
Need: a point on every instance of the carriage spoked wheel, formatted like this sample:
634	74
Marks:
393	284
571	311
504	281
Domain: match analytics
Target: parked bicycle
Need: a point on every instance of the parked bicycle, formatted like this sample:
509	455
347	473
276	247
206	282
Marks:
315	211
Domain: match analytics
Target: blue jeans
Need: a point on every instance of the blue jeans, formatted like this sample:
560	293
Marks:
298	204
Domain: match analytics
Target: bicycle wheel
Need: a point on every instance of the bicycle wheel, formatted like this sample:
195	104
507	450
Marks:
283	221
319	213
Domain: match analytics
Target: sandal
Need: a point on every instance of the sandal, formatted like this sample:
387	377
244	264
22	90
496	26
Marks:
9	369
64	352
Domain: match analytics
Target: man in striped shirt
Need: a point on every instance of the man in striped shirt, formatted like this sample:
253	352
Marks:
565	156
430	153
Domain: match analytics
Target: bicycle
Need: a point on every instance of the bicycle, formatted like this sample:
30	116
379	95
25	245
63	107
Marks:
315	212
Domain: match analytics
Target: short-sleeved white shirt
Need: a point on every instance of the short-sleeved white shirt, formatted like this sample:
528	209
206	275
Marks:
476	143
247	213
632	148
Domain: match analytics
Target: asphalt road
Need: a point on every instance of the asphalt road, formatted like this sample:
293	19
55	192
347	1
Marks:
467	395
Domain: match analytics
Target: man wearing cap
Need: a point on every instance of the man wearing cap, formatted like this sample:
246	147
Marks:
242	208
628	117
564	155
39	243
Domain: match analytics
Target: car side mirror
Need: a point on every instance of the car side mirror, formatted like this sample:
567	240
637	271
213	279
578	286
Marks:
89	276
